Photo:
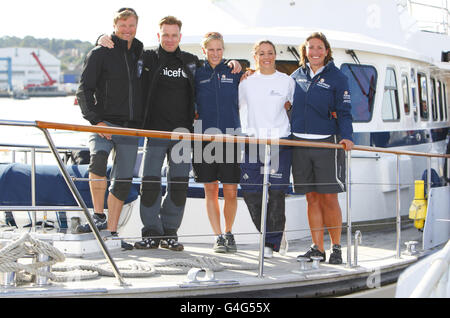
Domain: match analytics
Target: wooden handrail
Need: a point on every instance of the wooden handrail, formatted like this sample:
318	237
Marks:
223	138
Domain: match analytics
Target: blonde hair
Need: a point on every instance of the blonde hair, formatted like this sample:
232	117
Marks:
208	37
171	20
315	35
125	13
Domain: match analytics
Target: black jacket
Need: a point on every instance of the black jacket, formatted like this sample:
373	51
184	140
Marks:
110	87
154	62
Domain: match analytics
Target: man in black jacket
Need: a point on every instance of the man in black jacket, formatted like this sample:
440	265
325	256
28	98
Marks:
110	94
168	78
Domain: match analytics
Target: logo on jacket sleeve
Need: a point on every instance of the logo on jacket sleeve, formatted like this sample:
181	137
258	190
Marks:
346	97
140	66
192	67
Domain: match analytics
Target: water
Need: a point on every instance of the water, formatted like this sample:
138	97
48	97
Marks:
50	109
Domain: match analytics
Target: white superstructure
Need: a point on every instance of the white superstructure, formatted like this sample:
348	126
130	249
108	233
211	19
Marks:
399	83
26	70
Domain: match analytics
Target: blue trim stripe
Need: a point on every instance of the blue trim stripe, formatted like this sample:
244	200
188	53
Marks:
387	139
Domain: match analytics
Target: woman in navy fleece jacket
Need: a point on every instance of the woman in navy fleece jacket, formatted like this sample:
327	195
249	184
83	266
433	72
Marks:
218	113
321	112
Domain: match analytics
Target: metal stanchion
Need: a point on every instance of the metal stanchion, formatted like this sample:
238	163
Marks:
33	188
349	219
399	228
83	205
262	239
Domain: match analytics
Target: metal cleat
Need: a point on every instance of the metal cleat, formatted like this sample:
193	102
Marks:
7	279
303	263
411	248
74	222
192	275
42	280
316	261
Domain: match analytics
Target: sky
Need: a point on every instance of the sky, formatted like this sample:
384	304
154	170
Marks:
86	19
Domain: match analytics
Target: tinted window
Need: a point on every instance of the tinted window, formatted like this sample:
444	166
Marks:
433	100
444	93
440	100
390	109
287	67
423	96
405	89
244	63
414	93
362	81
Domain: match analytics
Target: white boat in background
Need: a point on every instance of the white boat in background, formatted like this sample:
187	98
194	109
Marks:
399	80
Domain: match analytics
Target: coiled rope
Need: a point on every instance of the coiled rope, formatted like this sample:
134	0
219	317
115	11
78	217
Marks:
27	245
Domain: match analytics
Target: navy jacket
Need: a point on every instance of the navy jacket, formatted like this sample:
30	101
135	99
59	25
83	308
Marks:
217	97
322	105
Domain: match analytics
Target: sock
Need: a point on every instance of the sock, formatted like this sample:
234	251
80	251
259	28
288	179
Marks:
100	215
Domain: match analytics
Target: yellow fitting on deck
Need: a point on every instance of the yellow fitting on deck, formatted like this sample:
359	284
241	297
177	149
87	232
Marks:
418	208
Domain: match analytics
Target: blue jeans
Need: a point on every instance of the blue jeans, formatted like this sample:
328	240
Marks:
163	215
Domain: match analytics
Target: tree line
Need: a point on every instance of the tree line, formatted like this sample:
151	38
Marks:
71	53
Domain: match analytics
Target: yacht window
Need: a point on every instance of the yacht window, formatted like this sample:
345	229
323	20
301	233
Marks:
390	109
414	93
244	63
362	81
433	100
444	93
440	99
405	88
287	67
423	95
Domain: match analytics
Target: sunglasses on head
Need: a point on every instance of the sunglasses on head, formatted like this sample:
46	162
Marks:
125	9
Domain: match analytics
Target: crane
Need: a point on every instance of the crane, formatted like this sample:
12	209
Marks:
49	82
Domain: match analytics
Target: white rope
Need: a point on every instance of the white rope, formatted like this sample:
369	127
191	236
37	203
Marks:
27	245
168	267
24	246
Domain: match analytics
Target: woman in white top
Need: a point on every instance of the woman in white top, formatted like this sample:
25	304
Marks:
262	99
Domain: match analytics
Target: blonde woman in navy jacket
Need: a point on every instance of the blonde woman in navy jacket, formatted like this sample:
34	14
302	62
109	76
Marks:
216	90
321	112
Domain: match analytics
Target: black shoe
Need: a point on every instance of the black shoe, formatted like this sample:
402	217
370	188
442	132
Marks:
124	245
230	243
219	245
336	255
172	245
314	251
146	244
100	222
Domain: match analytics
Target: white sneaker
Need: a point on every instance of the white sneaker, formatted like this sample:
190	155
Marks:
268	252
